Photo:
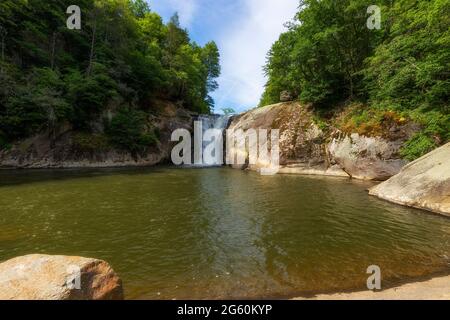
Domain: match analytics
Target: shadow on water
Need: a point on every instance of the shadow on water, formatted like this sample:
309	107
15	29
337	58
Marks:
9	177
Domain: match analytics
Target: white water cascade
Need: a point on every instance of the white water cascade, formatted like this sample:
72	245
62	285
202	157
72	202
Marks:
214	121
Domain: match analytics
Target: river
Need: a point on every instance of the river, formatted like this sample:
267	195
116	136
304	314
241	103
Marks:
174	233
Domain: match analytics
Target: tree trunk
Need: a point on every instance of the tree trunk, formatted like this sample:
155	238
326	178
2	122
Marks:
52	59
351	87
3	49
91	55
3	52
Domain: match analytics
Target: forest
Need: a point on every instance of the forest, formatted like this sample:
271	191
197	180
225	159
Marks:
329	58
122	59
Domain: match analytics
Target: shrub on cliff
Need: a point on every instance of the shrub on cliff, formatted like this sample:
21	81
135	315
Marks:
35	105
129	130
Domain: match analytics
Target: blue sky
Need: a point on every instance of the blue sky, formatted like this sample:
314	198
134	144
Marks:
244	30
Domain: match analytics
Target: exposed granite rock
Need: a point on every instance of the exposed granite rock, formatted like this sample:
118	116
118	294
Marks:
286	96
44	277
58	150
423	183
302	142
368	158
306	149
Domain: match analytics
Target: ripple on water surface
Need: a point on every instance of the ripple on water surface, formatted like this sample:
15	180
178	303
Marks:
217	232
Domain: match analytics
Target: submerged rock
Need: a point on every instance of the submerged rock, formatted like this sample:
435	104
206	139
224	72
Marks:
44	277
423	183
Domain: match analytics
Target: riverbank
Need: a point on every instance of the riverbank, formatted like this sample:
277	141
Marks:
66	147
437	288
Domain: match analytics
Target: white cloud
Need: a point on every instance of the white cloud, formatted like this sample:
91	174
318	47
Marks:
186	10
244	31
244	45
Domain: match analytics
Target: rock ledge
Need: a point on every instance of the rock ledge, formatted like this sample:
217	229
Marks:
423	183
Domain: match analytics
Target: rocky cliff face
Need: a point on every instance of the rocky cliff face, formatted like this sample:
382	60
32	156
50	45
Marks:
60	150
367	158
305	148
423	183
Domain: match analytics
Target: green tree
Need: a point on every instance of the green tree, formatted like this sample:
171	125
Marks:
321	56
329	57
228	111
140	8
124	57
128	131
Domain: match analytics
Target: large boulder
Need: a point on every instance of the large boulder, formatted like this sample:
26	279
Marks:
309	148
367	158
423	183
302	144
44	277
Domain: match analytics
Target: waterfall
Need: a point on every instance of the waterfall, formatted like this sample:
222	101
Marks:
213	121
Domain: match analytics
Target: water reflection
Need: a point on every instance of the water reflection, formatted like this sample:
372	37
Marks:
219	233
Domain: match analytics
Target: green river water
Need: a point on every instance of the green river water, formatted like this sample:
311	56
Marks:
219	233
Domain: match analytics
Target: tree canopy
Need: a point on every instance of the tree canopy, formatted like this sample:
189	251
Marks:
123	58
329	56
